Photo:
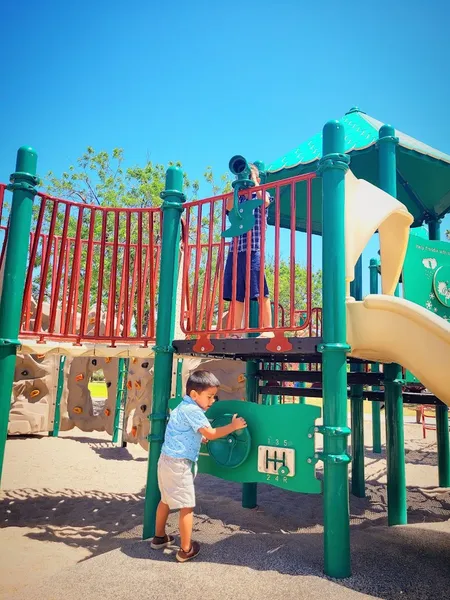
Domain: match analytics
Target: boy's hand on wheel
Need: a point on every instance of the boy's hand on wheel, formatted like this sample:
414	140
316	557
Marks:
238	422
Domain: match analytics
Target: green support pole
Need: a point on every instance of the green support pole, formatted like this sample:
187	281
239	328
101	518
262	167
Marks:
124	419
302	384
59	390
267	399
250	490
357	406
395	435
172	206
376	405
23	183
334	348
179	380
442	432
121	398
302	367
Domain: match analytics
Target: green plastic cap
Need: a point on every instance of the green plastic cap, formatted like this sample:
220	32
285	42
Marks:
26	160
174	179
333	138
386	131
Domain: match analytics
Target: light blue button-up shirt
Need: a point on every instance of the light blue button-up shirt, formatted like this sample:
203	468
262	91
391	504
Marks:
182	439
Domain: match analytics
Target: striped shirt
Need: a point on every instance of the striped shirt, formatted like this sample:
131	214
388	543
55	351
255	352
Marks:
255	244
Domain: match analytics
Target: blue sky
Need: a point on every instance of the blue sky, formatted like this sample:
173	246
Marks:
200	81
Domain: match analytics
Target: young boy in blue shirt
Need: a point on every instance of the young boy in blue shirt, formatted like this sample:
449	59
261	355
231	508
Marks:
179	454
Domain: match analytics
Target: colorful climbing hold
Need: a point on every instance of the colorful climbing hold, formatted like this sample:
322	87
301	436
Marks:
92	321
40	356
129	384
137	384
35	393
134	360
77	410
107	412
134	431
79	377
108	359
241	378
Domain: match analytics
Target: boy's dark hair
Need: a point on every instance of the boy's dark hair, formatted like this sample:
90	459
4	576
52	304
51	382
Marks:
199	381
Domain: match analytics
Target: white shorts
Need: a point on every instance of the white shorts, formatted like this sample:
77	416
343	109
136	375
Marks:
176	482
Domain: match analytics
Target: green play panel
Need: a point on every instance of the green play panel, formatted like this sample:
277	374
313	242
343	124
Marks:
426	278
277	447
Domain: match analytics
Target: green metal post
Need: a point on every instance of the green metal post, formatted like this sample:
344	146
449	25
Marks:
302	367
23	183
121	398
302	384
179	380
124	419
250	490
376	405
357	406
172	206
267	399
333	167
395	435
59	390
442	432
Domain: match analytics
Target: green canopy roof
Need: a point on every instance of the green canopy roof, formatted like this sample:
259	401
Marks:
423	173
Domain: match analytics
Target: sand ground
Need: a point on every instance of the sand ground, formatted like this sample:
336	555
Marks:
71	514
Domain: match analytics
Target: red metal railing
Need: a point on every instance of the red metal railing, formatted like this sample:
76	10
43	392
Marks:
206	311
93	271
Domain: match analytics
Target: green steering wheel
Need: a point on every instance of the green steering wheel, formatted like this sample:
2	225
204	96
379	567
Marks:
233	450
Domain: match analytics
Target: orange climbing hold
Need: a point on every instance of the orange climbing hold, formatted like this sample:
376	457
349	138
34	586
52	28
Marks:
78	410
107	412
79	377
92	321
35	393
134	431
134	360
138	384
108	359
129	384
40	356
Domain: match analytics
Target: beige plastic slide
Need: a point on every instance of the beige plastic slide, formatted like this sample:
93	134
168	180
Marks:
388	329
384	328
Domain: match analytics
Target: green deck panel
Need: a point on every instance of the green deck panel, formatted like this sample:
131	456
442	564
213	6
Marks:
426	171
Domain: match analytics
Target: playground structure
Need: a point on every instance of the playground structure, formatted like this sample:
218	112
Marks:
40	391
45	386
279	446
